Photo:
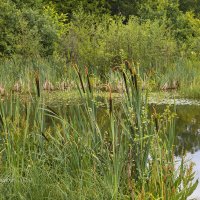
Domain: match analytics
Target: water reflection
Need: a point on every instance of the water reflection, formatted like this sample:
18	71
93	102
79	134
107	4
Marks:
187	129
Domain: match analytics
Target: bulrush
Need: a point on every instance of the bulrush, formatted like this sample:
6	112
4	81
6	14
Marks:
155	116
128	66
37	82
88	79
80	78
2	90
48	86
133	74
126	86
17	87
110	99
135	79
120	87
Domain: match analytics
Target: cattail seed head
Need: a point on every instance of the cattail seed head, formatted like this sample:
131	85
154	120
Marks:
155	116
80	78
37	82
88	79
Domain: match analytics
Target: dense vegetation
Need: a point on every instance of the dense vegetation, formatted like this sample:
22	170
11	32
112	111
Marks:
89	47
162	36
91	149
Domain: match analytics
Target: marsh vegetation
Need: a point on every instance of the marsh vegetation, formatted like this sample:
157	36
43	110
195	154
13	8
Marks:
75	86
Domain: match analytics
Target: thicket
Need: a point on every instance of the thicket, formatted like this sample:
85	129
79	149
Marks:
39	28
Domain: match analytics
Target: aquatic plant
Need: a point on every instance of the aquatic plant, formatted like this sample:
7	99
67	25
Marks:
88	150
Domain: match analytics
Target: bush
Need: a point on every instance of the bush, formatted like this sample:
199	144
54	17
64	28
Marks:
105	42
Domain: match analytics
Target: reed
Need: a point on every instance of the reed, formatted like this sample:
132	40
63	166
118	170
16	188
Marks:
88	80
80	77
90	151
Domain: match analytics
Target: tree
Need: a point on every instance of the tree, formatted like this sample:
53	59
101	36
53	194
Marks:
28	31
190	5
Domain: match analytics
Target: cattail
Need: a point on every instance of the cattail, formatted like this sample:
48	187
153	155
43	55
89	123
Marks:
135	79
110	100
128	66
80	78
155	119
37	82
26	110
133	75
1	121
125	82
88	79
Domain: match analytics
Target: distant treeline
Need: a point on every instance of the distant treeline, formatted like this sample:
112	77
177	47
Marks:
99	32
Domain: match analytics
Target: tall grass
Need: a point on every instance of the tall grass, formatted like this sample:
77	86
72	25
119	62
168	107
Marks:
49	153
187	73
184	71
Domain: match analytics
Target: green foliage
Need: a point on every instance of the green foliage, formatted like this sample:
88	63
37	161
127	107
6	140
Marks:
184	26
190	5
110	42
70	6
28	31
10	20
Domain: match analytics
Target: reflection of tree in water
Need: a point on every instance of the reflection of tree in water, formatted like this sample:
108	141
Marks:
187	128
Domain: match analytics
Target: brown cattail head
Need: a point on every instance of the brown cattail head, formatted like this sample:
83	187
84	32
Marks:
125	82
86	71
135	78
80	78
133	74
155	116
88	79
37	82
128	66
